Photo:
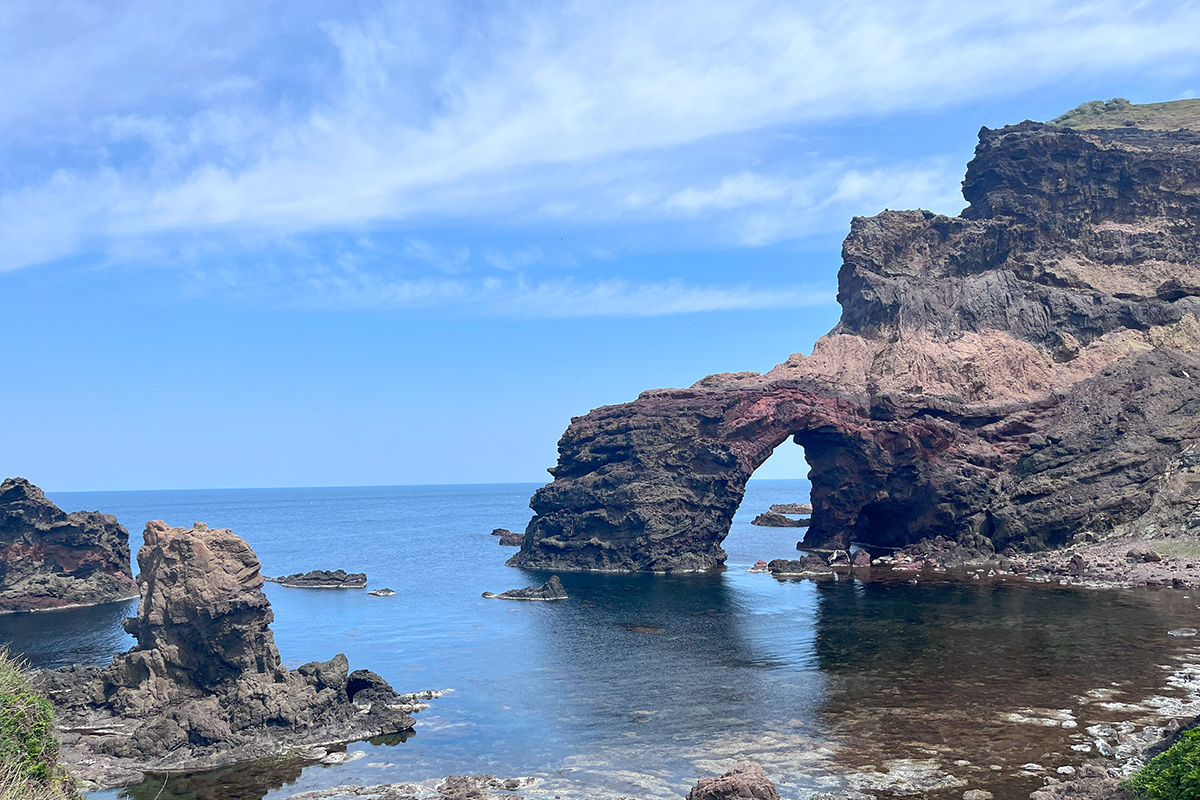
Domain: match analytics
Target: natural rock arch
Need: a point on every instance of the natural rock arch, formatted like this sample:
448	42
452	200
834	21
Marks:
1007	377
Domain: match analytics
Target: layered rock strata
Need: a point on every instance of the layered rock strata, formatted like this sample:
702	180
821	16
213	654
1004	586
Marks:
204	685
1008	377
51	559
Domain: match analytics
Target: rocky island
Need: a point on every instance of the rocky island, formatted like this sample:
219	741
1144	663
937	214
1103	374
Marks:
50	559
322	579
204	685
1007	378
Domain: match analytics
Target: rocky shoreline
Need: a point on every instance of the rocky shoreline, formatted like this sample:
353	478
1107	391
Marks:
204	685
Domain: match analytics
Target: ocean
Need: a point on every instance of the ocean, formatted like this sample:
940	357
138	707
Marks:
638	685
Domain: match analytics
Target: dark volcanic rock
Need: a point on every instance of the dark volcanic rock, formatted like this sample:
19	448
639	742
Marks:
50	559
501	531
809	565
322	579
772	519
1016	375
204	685
746	781
550	590
512	539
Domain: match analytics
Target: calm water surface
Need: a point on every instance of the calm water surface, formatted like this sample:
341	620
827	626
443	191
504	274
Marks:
640	684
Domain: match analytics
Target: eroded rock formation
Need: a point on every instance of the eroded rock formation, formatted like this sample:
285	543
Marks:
51	559
1005	378
204	685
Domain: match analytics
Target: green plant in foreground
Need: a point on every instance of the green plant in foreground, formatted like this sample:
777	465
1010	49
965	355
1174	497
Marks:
28	748
1171	775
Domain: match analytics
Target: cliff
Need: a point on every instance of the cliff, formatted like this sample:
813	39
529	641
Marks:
50	559
1005	378
204	685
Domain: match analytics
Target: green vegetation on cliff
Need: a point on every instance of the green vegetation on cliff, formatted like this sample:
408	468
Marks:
1120	113
28	748
1172	775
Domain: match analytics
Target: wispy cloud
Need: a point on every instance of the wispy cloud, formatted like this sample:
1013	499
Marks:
126	120
556	299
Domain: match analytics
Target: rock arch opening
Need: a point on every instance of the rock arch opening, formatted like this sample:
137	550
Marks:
987	382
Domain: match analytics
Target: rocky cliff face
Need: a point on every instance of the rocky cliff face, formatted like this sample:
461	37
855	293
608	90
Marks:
50	559
1005	378
204	685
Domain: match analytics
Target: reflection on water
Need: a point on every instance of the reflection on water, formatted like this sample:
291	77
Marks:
71	636
640	684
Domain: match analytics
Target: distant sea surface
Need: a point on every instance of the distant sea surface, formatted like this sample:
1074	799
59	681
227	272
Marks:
641	684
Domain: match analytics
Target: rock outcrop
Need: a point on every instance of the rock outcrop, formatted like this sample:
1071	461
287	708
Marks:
746	781
550	590
772	519
51	559
512	539
1006	378
791	508
204	685
322	579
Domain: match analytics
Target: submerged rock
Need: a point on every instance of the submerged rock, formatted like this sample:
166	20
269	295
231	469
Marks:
322	579
204	686
51	559
746	781
550	590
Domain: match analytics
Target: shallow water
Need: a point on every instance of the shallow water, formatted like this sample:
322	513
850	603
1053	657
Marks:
641	684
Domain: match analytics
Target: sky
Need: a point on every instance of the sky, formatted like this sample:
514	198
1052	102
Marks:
249	244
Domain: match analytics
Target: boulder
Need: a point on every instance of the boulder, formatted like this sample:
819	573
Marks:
808	565
746	781
500	531
322	579
861	558
204	685
550	590
51	559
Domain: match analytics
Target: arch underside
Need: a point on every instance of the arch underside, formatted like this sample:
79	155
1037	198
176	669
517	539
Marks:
653	485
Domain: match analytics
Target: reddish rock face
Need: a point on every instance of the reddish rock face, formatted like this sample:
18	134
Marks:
1008	377
51	559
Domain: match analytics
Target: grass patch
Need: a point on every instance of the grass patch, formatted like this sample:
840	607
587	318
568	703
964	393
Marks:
1120	113
1172	775
28	747
1180	548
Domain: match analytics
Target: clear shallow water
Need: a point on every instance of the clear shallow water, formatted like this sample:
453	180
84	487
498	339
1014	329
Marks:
640	684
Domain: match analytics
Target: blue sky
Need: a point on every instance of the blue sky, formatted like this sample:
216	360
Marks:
308	243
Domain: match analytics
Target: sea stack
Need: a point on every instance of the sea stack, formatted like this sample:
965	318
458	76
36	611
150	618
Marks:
204	686
1007	378
50	559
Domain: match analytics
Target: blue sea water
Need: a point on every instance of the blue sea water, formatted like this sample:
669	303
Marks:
640	684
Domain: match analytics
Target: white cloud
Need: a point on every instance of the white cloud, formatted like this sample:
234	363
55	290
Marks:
550	299
224	116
